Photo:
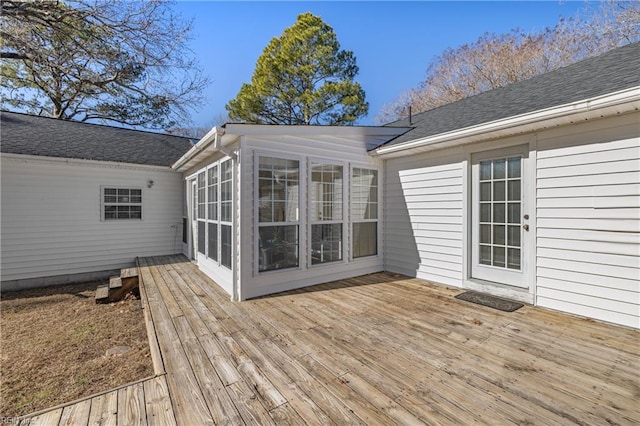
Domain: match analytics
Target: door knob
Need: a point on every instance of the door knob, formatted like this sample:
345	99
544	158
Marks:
525	227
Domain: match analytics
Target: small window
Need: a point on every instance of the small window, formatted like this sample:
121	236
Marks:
122	203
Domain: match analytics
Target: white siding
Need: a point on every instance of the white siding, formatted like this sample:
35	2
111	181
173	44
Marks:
51	217
588	220
586	217
423	216
350	151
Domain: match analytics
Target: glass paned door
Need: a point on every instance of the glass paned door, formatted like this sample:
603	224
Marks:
498	221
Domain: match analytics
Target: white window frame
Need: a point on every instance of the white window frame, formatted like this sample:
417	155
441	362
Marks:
104	204
345	207
351	209
219	222
201	201
300	223
216	220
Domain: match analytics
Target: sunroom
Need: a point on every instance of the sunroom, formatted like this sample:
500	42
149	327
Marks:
274	208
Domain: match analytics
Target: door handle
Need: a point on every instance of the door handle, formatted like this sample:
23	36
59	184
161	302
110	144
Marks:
525	227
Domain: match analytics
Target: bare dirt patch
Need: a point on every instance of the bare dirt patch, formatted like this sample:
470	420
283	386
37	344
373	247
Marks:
54	343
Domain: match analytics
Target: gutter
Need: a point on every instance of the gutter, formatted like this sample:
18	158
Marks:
580	107
213	139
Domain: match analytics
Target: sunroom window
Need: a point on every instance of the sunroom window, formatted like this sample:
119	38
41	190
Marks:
122	203
226	213
326	192
364	212
214	209
212	212
278	213
202	211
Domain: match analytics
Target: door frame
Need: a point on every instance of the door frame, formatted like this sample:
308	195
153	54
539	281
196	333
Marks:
529	144
193	220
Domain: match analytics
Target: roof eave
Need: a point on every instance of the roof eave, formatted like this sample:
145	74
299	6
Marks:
606	105
210	143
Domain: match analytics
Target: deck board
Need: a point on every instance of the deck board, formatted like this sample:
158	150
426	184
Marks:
378	349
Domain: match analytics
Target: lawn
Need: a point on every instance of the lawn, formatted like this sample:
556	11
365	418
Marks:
54	344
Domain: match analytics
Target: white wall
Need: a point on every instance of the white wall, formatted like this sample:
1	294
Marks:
588	220
349	150
51	218
423	216
587	242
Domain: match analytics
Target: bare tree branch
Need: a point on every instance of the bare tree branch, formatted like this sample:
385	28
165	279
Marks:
126	62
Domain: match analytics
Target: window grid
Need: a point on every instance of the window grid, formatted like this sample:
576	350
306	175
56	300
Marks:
122	203
278	213
364	212
326	193
214	212
500	213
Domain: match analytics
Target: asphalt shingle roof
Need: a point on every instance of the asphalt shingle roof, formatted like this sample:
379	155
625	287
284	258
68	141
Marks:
610	72
33	135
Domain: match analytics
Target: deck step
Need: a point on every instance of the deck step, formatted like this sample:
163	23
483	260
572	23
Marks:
118	286
102	293
115	282
129	272
125	283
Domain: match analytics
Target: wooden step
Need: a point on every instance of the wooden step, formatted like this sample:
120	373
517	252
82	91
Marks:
129	272
102	293
115	282
126	282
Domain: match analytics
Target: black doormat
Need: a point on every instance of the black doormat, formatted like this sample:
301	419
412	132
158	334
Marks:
490	301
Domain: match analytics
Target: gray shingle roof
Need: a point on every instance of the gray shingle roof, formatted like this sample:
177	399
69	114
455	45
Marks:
610	72
48	137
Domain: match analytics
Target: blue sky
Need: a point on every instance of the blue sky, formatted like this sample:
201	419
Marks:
392	41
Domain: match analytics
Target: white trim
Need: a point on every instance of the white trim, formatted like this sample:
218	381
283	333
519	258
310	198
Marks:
301	223
343	222
532	206
86	163
622	101
517	278
297	130
378	220
220	137
103	204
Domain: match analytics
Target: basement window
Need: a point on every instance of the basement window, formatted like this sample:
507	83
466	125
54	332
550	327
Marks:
121	203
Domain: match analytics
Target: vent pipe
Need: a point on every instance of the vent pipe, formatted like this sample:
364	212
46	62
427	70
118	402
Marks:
410	117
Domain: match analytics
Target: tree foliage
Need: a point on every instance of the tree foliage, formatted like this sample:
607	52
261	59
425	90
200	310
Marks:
302	77
125	62
496	60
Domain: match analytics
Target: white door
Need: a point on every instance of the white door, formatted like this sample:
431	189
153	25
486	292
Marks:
499	216
194	219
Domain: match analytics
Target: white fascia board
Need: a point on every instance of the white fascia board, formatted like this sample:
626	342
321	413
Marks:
611	104
206	144
302	130
82	162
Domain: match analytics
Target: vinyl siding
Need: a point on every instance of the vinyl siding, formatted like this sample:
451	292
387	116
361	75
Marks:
51	217
348	151
588	220
586	251
423	216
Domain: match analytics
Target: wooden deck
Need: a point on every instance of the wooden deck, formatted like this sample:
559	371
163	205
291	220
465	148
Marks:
378	349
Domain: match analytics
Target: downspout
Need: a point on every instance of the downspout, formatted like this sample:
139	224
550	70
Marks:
217	144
